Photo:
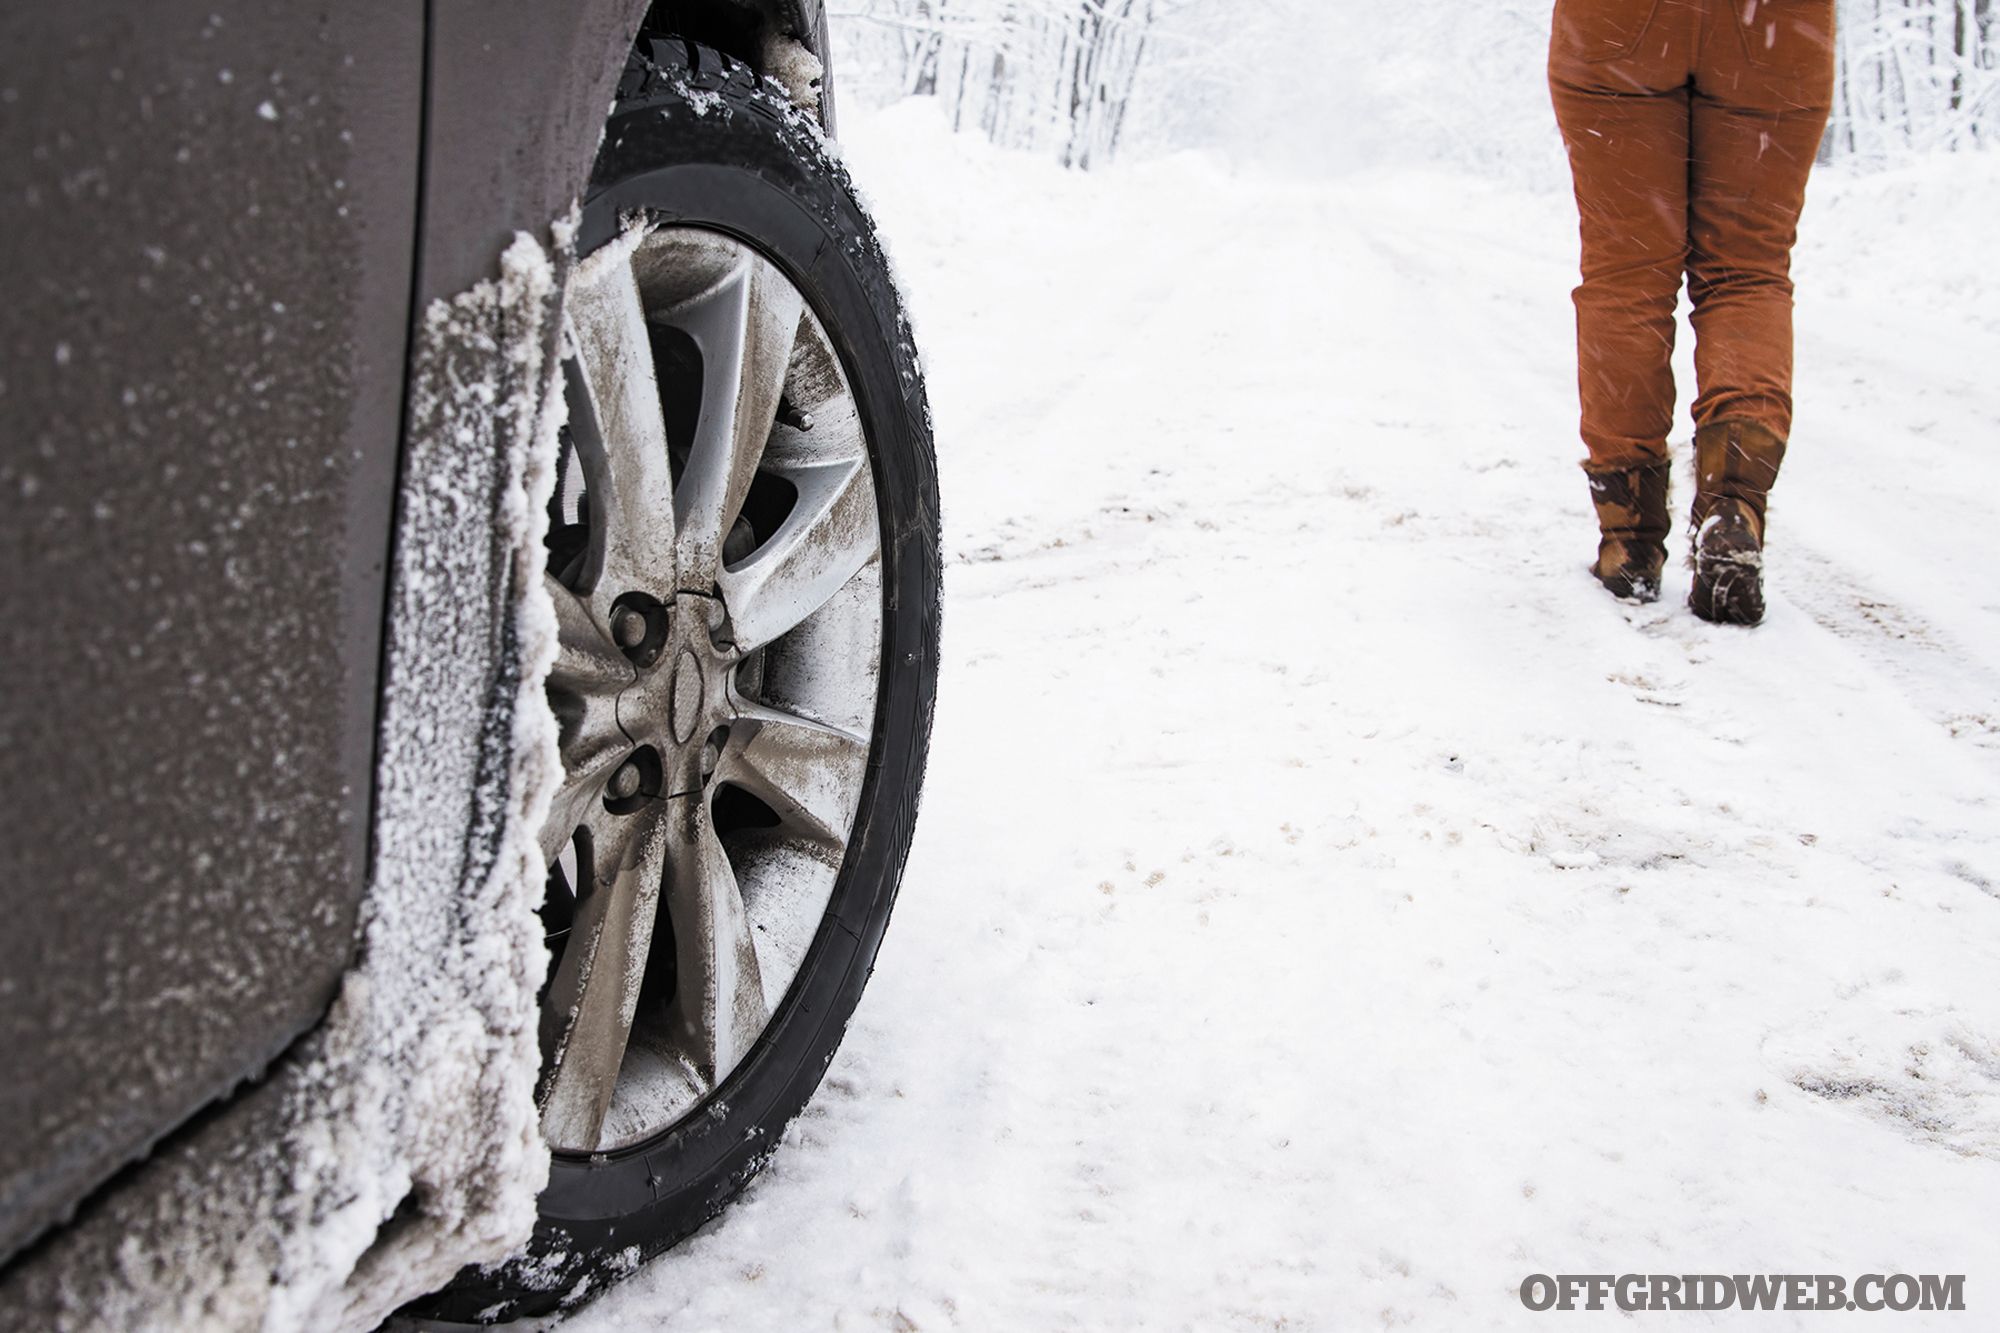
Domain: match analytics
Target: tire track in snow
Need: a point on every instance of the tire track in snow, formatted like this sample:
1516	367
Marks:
1925	663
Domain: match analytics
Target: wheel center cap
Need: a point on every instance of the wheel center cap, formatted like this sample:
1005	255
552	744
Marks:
685	703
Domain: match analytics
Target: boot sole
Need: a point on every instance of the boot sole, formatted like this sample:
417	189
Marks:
1728	593
1634	581
1631	590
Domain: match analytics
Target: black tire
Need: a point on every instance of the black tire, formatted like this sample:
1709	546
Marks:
696	140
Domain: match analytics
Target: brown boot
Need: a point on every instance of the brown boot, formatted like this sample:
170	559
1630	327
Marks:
1736	464
1632	519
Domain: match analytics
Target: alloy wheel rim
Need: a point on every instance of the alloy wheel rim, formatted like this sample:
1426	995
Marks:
715	563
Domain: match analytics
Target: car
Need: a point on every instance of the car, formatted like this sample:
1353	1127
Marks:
471	625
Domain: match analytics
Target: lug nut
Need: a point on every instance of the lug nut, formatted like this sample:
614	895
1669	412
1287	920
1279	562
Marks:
793	417
625	782
628	627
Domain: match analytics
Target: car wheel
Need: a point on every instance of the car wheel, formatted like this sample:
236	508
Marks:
743	554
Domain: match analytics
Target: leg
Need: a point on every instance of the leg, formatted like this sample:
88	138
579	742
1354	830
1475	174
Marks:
1756	127
1625	121
1749	185
1764	85
1628	153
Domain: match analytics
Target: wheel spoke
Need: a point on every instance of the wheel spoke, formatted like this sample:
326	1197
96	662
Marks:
745	326
623	432
587	1015
829	535
583	694
720	1000
586	661
807	772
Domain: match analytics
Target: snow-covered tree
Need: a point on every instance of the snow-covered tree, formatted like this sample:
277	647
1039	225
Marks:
1047	74
1916	75
1332	82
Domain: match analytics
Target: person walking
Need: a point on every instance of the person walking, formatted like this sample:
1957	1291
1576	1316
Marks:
1691	126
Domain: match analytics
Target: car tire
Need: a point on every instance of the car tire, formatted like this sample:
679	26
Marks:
698	146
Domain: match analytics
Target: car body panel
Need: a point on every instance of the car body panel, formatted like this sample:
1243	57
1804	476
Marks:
208	215
220	240
505	154
512	125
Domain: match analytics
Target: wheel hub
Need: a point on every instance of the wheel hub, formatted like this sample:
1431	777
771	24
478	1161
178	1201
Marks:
676	703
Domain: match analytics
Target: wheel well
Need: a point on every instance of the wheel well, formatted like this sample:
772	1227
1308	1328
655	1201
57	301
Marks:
738	28
752	31
734	29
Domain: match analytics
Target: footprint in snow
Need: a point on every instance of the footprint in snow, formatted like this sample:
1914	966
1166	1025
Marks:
1939	1085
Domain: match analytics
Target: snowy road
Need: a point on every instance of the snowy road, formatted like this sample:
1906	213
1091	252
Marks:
1329	907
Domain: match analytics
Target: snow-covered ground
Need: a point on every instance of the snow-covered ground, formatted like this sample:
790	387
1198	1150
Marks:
1329	906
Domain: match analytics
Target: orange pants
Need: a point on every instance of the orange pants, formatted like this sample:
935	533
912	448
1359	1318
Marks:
1691	126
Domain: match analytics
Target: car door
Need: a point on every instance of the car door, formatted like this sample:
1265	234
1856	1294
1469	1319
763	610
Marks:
207	221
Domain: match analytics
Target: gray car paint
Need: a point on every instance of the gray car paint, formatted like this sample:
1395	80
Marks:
207	215
210	211
495	72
